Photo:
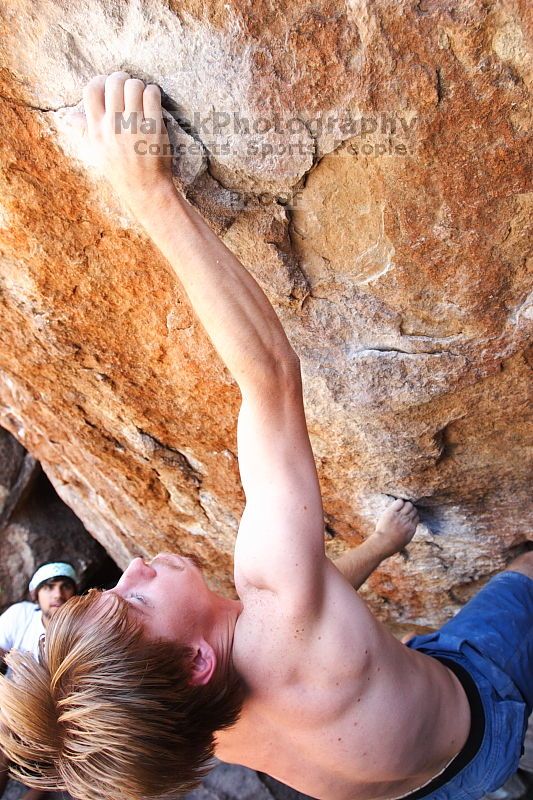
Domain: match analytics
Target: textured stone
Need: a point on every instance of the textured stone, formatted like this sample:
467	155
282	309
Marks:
386	214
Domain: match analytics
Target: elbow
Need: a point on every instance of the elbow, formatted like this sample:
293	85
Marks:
286	368
276	376
287	362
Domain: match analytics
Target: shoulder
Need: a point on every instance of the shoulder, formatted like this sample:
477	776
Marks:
19	611
20	627
261	639
290	643
15	621
19	614
271	639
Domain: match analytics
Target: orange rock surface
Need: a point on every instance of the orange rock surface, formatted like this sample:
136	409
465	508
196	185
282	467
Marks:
381	197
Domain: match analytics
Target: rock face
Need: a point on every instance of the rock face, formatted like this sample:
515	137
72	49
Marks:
36	527
368	163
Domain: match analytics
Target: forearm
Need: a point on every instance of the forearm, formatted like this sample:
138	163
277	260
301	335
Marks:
232	308
359	563
227	300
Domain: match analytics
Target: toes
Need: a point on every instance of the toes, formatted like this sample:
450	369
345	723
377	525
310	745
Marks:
397	504
407	507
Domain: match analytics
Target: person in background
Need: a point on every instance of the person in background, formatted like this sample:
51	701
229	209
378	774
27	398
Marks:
23	624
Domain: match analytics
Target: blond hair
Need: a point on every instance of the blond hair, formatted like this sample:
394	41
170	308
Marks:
107	714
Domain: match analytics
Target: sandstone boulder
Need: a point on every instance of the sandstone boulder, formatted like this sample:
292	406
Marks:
381	195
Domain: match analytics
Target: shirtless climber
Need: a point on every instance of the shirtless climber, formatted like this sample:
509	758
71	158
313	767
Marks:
296	678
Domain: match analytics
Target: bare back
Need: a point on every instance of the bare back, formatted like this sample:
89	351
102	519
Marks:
338	708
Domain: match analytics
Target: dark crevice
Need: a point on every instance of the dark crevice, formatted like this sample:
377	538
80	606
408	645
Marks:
329	531
439	85
171	457
445	448
220	183
302	281
28	472
519	549
455	598
444	442
403	352
172	108
433	544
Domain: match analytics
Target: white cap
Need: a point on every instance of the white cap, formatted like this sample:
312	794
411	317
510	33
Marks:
56	569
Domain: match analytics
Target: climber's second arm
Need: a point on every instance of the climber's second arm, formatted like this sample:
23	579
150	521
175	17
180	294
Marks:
280	544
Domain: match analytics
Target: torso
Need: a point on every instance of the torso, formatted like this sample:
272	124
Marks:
337	707
21	627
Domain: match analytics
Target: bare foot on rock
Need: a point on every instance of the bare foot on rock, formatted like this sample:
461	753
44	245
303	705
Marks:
397	525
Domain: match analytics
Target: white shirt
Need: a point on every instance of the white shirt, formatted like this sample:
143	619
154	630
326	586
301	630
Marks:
21	627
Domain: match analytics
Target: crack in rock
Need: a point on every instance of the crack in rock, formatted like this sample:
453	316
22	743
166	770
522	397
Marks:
170	456
439	85
369	350
31	107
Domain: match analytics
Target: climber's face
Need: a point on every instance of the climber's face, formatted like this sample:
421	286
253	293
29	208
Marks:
169	595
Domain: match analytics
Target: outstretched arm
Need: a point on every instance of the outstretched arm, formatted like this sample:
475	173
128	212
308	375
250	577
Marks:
394	530
280	544
231	306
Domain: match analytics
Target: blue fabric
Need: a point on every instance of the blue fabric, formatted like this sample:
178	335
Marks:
492	638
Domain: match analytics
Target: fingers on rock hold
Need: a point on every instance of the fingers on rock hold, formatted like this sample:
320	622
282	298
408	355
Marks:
133	95
114	91
93	99
152	105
